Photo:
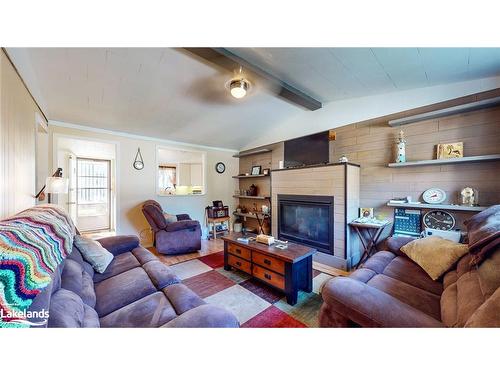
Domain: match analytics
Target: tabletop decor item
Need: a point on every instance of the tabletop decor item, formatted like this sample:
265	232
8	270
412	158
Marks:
220	167
450	150
434	196
256	170
266	171
469	197
401	148
366	212
343	159
252	191
138	161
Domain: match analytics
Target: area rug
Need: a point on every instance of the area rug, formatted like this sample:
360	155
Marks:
255	304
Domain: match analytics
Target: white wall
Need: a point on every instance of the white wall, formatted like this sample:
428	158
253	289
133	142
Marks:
17	142
134	187
345	112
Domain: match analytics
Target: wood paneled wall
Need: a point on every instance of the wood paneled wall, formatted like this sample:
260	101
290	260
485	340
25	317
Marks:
371	145
17	142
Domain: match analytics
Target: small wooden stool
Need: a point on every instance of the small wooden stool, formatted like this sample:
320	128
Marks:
217	220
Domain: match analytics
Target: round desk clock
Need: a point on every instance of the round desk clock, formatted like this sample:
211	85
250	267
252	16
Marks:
434	196
439	219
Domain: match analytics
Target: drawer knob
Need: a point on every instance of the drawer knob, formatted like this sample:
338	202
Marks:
267	261
238	264
267	276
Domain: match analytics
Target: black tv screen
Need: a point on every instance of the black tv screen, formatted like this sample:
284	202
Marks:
308	150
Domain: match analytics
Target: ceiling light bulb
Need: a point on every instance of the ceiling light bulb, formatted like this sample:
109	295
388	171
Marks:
238	88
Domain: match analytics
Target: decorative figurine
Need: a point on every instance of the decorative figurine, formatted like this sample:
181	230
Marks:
469	197
343	159
401	148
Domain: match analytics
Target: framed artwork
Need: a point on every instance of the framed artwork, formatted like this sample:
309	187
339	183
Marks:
256	170
450	150
266	171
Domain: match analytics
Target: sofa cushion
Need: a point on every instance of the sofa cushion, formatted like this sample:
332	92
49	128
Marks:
405	270
418	298
449	306
489	274
155	216
379	261
161	275
488	314
484	233
434	254
469	296
77	257
75	279
182	225
94	253
182	298
121	290
121	263
143	255
67	310
151	311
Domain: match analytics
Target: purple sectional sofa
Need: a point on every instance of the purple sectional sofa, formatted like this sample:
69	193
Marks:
136	290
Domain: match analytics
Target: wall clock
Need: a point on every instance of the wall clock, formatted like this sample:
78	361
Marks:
438	219
220	167
138	162
434	196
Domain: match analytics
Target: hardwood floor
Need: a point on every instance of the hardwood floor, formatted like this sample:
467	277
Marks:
207	247
214	246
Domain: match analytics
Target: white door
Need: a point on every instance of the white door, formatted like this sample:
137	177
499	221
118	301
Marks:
93	197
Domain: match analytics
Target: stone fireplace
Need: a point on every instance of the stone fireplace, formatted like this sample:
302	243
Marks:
307	219
313	206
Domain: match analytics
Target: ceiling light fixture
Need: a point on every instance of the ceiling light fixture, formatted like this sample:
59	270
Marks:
239	87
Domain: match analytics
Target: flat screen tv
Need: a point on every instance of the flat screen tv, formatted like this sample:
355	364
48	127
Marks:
308	150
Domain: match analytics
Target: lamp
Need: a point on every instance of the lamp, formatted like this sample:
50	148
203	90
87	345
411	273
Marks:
54	185
239	87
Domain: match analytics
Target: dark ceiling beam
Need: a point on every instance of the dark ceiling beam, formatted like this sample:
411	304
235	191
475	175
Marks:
228	60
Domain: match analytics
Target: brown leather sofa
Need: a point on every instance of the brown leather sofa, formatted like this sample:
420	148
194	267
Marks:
390	290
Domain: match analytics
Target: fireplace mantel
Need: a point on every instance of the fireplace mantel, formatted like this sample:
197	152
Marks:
338	180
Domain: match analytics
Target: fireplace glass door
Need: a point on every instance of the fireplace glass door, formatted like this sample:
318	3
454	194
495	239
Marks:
307	220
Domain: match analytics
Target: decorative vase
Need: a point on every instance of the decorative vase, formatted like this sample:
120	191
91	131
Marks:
401	148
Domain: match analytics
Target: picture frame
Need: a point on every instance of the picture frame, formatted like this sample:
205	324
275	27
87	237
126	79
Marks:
256	169
450	150
266	171
366	212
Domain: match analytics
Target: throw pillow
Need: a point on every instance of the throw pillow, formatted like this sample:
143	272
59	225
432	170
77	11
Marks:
170	218
434	254
93	252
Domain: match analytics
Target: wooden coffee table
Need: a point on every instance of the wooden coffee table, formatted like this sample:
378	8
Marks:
288	270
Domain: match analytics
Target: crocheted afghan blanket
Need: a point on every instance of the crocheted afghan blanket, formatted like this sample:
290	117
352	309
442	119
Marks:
32	244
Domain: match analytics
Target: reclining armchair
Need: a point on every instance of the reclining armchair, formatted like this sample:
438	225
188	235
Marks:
181	236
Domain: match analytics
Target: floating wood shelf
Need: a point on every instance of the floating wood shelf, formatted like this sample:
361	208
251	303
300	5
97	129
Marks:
451	207
251	152
466	159
252	215
250	197
252	176
463	108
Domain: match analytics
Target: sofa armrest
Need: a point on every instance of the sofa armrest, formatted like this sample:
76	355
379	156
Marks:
117	245
183	217
370	307
394	244
204	316
182	225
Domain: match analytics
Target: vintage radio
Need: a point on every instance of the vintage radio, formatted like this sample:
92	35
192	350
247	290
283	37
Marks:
216	212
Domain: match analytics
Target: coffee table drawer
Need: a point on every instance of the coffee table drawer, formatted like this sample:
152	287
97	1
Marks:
270	277
239	263
239	251
270	263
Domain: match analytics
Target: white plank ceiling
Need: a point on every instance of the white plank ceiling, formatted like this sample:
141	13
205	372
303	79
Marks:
170	94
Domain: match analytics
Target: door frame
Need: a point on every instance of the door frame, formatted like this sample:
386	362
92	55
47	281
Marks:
58	133
110	191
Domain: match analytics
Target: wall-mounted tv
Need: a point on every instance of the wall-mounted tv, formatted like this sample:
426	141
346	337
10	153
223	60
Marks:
309	150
